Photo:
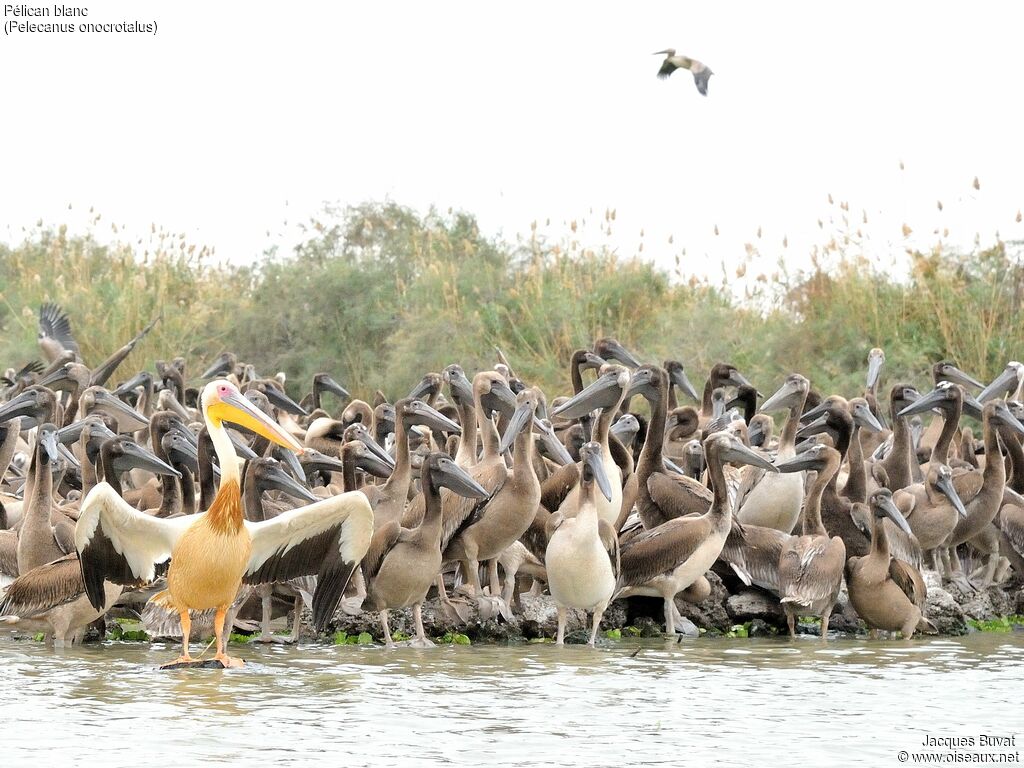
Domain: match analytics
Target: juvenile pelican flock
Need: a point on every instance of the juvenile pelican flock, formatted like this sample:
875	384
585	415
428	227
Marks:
187	502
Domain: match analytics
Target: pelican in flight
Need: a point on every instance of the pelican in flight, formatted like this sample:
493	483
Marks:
700	71
212	553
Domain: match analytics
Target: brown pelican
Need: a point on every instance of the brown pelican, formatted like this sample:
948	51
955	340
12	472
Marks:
1010	382
811	565
700	71
582	556
402	563
665	560
887	593
511	509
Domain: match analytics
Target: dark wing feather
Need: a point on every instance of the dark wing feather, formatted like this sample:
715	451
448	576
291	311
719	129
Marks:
701	78
558	484
328	538
44	588
384	538
611	544
54	324
678	496
909	580
8	553
661	550
103	371
536	539
667	68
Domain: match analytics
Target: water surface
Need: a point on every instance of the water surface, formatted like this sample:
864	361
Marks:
731	701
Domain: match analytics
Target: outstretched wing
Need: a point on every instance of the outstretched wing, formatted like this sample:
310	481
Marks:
54	326
118	543
667	68
327	538
104	370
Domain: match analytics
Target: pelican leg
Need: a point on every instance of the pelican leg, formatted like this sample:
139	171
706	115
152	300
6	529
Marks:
791	621
266	593
296	621
824	623
420	641
387	630
186	629
218	631
560	637
670	615
598	613
872	634
503	605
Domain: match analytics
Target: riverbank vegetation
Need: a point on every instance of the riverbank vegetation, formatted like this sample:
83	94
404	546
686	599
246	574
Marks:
377	294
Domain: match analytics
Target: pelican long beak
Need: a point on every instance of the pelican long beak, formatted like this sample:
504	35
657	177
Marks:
812	413
671	466
605	392
595	462
874	370
371	463
332	386
182	452
120	410
277	479
893	513
314	461
945	484
783	397
134	456
24	405
678	377
424	387
58	377
48	441
1005	382
135	381
1005	416
739	453
556	450
457	480
235	408
523	415
280	400
434	419
807	461
866	419
957	376
620	354
924	403
816	427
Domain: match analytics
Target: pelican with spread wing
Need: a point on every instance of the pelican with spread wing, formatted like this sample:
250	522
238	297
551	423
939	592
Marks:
212	553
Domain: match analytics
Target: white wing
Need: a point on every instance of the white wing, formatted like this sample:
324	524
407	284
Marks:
118	543
326	538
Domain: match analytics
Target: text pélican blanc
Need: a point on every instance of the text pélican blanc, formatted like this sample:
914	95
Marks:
14	13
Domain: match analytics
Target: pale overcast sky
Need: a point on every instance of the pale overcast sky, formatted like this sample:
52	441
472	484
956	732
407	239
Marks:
238	116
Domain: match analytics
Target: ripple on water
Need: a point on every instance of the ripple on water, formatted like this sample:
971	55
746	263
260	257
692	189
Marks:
671	703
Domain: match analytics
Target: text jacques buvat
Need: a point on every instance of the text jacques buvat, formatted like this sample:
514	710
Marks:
20	18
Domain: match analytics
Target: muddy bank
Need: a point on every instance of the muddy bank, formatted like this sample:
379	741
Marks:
747	611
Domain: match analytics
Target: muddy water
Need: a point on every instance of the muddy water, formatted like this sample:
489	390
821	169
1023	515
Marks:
732	701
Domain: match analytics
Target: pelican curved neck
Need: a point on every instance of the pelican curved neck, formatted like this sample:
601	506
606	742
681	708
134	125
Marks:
879	539
856	482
